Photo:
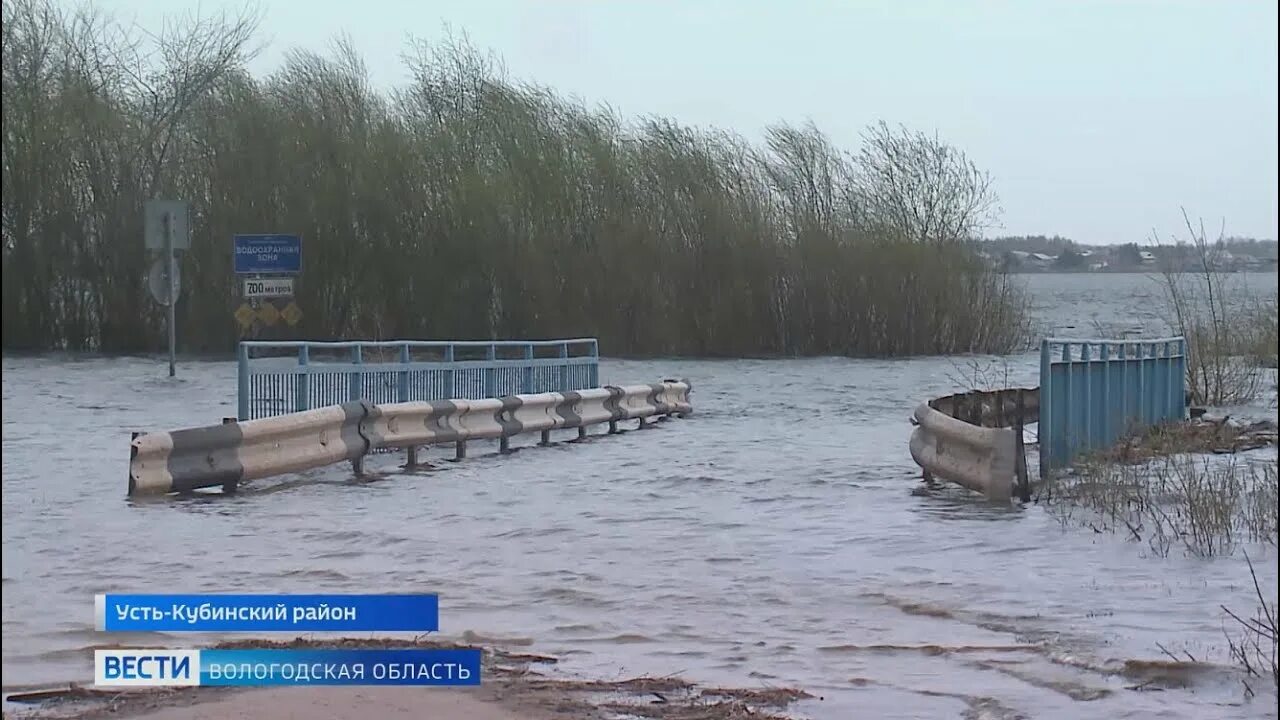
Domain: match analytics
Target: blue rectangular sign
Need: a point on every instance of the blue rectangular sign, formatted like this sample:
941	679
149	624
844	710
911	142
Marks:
151	667
268	254
267	613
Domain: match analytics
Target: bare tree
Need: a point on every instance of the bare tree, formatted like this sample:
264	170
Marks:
464	204
921	188
179	65
1199	306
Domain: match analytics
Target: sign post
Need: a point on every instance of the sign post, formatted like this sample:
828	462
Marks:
173	293
166	229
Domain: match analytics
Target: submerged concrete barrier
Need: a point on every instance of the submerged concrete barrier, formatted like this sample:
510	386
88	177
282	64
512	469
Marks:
975	439
228	454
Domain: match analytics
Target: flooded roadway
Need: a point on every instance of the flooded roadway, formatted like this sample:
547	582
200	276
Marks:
772	537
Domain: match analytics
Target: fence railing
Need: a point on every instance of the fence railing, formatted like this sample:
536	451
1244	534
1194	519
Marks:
274	378
1092	392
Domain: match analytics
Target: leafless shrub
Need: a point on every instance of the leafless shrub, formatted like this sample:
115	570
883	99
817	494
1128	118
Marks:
1222	367
464	204
1254	645
980	374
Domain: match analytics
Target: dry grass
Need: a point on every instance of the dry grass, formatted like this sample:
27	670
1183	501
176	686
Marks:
1218	436
1161	489
1206	505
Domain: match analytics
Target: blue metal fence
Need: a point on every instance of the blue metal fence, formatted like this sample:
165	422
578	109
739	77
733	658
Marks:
1093	392
275	378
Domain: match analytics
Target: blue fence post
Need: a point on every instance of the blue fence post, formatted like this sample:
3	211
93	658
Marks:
354	385
1086	394
402	391
1044	429
564	367
302	391
491	372
1124	385
1108	405
448	374
527	375
593	370
242	381
1182	375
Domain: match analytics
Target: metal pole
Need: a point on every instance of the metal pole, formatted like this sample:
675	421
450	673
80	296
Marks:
173	290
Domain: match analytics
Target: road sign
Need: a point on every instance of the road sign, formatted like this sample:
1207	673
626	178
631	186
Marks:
268	314
158	280
258	288
292	313
153	217
245	315
267	254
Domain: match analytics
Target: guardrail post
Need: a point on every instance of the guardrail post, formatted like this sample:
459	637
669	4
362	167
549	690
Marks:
353	379
527	376
491	373
593	370
564	367
460	450
402	390
242	381
448	374
302	399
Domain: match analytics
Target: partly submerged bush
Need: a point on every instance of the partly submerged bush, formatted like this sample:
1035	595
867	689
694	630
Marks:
462	205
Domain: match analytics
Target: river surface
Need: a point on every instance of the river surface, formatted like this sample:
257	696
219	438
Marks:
772	537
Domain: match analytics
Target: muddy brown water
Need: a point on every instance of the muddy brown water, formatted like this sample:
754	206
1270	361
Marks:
772	538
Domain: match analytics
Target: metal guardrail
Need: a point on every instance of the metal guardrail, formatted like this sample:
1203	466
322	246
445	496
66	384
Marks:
231	453
1093	392
276	378
974	439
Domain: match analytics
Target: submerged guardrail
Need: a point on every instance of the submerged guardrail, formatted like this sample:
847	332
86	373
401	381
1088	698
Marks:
974	439
234	452
277	378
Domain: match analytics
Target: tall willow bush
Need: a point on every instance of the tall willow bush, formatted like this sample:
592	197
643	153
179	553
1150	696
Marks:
464	204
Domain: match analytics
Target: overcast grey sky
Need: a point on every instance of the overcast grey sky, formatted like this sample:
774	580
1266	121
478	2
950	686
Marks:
1097	119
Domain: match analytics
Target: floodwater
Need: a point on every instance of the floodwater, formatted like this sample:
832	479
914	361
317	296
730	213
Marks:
772	537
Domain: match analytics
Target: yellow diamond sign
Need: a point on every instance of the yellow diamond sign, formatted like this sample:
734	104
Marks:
245	315
268	314
292	313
